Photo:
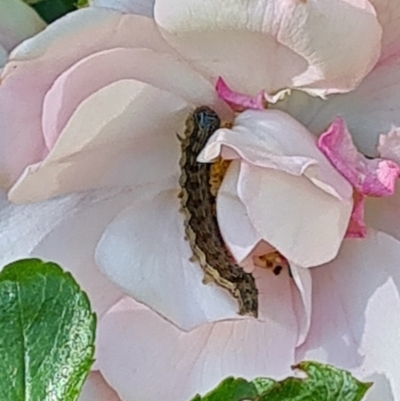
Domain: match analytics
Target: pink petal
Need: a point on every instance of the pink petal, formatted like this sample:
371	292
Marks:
388	12
146	358
275	45
376	177
141	7
356	313
103	68
281	203
65	230
389	145
144	252
303	283
274	140
122	145
239	234
96	389
37	63
383	214
304	223
372	108
357	227
239	101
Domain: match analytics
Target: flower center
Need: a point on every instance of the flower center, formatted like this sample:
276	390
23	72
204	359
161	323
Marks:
273	261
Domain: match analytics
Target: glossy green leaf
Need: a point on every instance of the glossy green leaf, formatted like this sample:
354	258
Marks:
47	333
322	383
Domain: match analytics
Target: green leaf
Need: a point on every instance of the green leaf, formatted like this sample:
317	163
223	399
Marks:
51	10
231	389
323	383
47	333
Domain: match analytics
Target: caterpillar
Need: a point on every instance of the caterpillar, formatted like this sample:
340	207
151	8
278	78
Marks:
198	207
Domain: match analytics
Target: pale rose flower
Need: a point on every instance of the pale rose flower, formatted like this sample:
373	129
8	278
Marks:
92	142
18	22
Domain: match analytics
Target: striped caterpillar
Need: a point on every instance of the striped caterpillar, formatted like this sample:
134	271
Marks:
201	226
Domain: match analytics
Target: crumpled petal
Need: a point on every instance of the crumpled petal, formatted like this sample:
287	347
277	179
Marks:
357	227
389	145
376	177
290	190
96	389
137	348
18	22
356	313
141	7
239	101
275	45
144	252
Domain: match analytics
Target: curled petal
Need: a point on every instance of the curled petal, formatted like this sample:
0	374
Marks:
239	101
303	223
376	177
236	228
389	145
303	282
276	44
357	227
272	139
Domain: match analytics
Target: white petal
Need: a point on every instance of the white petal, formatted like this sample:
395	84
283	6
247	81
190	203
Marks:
275	140
383	214
277	44
96	389
356	312
122	144
144	252
146	358
161	70
239	234
40	60
388	12
303	281
65	230
303	223
18	21
141	7
370	110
